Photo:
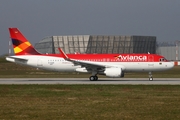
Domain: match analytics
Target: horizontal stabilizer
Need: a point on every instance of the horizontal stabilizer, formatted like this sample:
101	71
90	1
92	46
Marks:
15	59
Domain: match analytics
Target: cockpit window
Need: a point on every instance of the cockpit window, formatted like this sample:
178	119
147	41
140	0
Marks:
162	59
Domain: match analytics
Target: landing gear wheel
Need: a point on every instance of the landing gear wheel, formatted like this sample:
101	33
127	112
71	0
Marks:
151	79
93	78
96	78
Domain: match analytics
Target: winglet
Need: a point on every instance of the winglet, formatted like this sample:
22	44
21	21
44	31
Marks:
63	54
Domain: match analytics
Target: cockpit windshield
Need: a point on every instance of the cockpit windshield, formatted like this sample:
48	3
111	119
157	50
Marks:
163	60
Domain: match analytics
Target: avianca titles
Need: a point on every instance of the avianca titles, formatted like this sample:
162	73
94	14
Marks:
111	65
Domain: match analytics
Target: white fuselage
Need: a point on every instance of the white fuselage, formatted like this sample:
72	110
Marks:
60	64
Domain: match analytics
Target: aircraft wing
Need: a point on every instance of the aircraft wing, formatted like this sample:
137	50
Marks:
88	64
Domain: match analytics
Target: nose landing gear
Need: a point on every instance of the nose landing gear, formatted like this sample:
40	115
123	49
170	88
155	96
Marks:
150	76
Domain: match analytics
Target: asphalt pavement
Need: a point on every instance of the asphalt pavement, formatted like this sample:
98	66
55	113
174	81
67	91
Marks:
113	81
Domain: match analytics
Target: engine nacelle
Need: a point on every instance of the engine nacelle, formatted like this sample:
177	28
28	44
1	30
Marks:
114	72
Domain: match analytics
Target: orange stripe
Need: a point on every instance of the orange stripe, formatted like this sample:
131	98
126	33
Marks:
24	46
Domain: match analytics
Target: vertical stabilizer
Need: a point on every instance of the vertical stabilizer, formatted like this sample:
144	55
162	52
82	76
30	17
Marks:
20	44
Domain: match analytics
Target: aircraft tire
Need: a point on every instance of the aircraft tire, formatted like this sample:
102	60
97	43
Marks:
96	78
93	78
151	79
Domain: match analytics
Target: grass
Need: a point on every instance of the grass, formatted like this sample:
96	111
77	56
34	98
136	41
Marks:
126	102
140	102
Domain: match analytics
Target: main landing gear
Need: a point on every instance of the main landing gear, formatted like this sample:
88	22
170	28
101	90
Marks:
93	78
150	76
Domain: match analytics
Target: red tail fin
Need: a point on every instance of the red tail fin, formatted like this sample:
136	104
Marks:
20	44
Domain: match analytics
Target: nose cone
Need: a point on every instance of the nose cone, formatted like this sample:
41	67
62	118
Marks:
170	65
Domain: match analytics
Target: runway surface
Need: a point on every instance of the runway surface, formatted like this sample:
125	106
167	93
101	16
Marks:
114	81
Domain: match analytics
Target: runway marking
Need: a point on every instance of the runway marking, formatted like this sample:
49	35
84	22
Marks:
113	81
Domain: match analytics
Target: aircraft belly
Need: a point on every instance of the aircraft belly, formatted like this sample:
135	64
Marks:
141	66
133	66
65	68
147	66
58	66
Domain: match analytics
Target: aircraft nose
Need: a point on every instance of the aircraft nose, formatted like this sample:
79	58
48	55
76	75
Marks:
170	65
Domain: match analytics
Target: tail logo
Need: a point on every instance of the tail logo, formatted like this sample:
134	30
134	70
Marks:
20	46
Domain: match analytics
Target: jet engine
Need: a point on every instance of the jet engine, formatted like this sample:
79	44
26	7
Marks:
114	72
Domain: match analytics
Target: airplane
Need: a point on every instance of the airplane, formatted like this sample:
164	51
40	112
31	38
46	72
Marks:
110	65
